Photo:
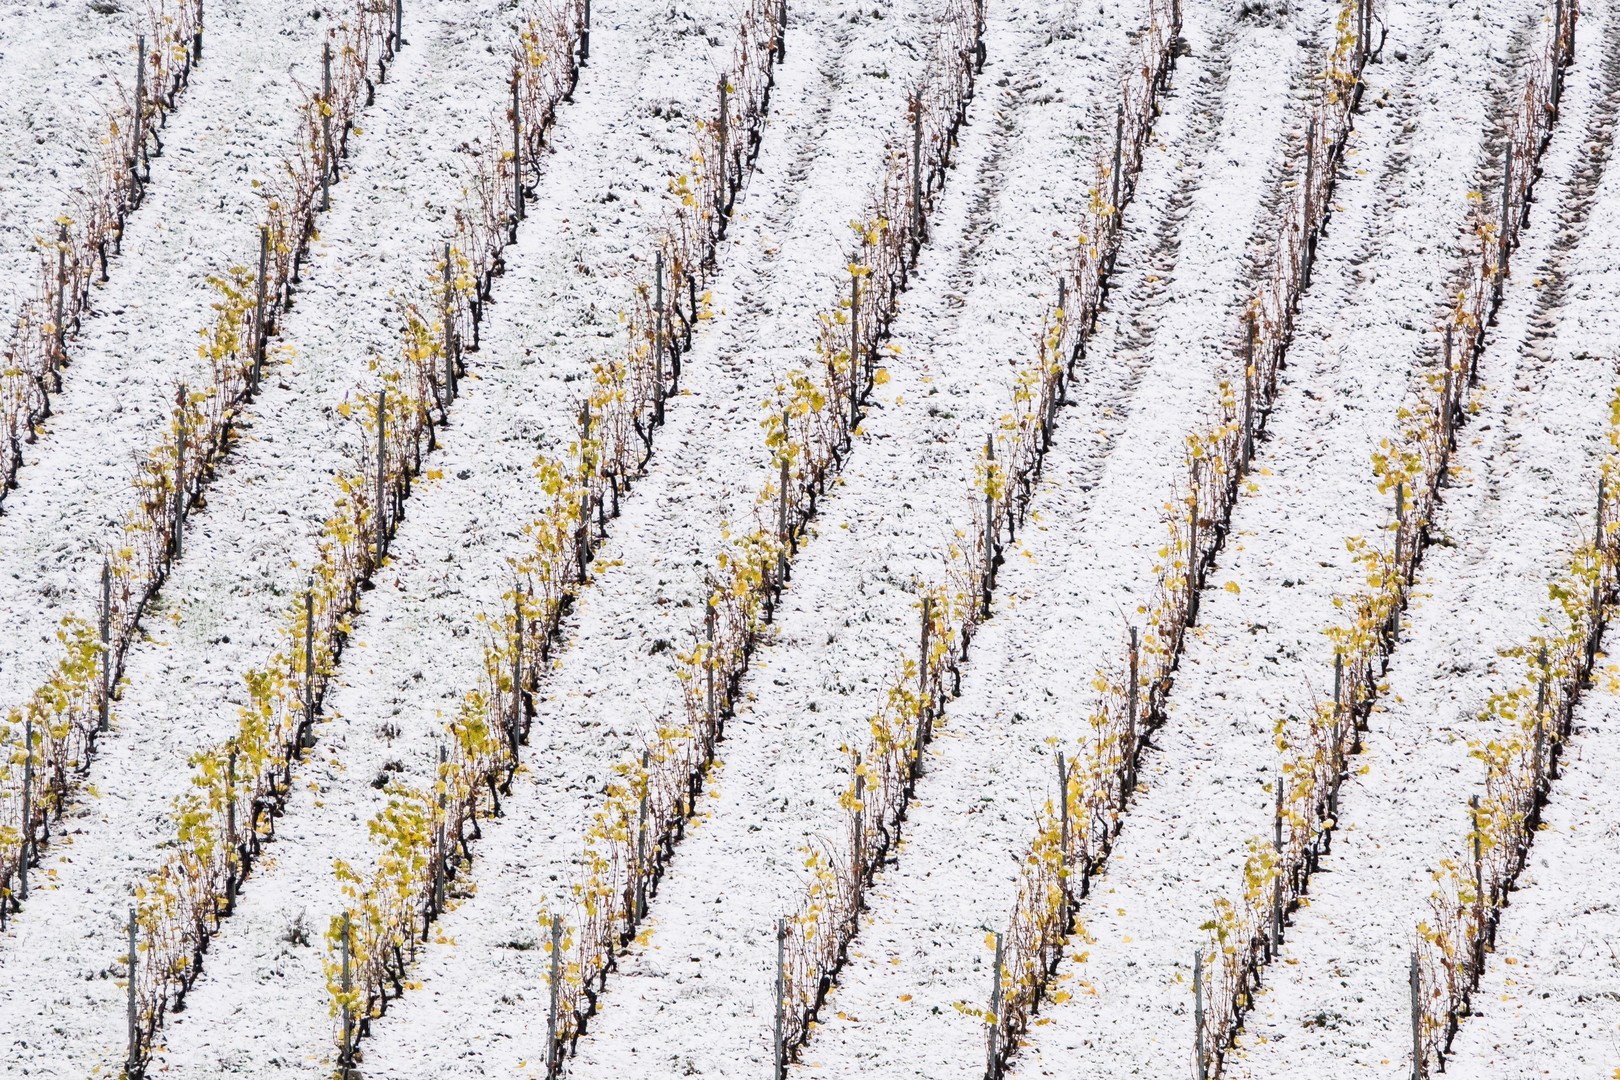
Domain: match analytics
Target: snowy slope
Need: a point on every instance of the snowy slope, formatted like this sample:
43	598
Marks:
218	613
200	217
417	646
58	64
1524	492
1380	271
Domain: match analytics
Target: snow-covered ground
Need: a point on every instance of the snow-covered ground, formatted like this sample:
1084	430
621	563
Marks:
218	615
1381	271
416	646
693	994
200	217
1521	497
57	63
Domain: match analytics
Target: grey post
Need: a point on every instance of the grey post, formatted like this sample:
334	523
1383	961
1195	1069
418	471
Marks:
1248	393
1400	526
61	290
992	1062
1202	1065
585	36
854	350
556	988
1479	891
27	809
439	854
517	670
1130	723
922	663
258	309
326	125
106	644
989	522
1417	1019
133	1060
180	475
860	839
916	171
1063	807
517	149
230	828
139	119
723	132
708	670
449	330
641	844
1505	239
399	23
658	336
1310	205
348	1012
382	471
309	653
1119	148
779	1058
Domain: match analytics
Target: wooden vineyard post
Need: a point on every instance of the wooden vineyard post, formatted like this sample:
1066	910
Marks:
993	1057
854	351
1192	545
658	337
1417	1019
258	307
924	705
989	521
1063	826
399	23
326	126
517	156
1308	241
135	127
1276	896
1130	725
27	810
105	703
725	180
179	475
382	471
917	217
779	1055
346	1059
1201	1066
1504	240
556	988
585	36
132	1061
309	660
1248	394
517	672
449	331
59	358
708	673
781	31
438	847
1479	892
641	844
230	830
1119	147
860	842
1400	539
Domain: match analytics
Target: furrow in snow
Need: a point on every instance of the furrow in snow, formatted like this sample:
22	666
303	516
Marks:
1521	498
1381	272
200	216
218	614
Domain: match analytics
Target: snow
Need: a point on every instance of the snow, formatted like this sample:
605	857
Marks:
693	992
